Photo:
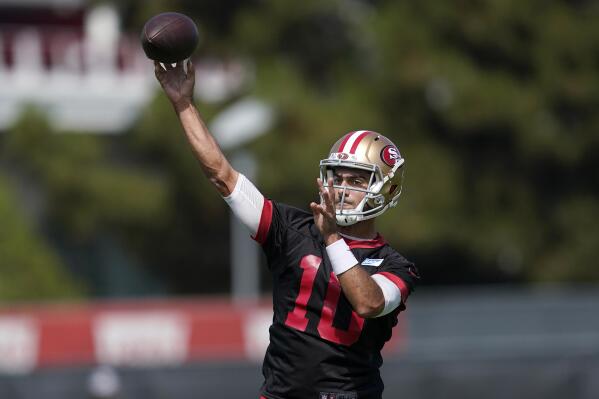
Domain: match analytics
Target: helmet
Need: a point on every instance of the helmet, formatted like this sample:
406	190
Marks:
370	151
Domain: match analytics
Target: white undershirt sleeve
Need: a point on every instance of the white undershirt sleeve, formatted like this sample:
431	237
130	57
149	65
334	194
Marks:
390	292
246	202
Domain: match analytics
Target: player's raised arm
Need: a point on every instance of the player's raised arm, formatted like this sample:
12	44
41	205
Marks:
240	194
178	84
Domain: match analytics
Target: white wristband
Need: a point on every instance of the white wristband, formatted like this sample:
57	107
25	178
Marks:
341	257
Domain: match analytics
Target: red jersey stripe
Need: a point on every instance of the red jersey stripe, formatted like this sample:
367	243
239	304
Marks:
403	288
347	136
376	242
357	142
265	221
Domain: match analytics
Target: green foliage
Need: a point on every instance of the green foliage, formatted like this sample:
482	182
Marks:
491	102
90	191
87	190
29	268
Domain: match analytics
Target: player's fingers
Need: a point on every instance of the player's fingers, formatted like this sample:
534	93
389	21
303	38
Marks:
320	208
158	71
321	190
331	188
182	66
328	195
326	198
191	69
316	209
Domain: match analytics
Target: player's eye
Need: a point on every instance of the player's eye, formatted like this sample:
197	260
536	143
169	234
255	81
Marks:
358	182
337	180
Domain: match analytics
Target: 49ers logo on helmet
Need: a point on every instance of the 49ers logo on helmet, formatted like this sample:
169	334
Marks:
390	155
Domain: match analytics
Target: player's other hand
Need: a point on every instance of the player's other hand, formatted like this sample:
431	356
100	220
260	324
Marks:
177	82
324	213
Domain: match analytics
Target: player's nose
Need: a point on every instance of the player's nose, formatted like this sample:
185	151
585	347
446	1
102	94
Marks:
342	192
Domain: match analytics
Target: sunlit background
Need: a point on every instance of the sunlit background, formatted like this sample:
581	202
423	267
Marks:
123	276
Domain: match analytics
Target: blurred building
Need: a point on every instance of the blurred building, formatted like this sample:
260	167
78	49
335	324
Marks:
74	61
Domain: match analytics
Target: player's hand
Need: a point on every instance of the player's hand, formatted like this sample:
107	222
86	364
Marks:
177	82
324	213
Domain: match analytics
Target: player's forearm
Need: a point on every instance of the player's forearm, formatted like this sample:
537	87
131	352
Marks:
214	163
362	292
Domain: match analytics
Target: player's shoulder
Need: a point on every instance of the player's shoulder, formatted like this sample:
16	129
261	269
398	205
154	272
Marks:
291	214
397	263
290	209
391	255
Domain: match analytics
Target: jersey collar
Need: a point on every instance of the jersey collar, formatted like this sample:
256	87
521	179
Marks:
375	242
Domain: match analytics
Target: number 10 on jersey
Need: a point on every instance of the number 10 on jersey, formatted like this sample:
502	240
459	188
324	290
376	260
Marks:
297	317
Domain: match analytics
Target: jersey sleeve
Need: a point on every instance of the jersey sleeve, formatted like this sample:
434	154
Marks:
246	203
265	223
276	222
403	274
265	219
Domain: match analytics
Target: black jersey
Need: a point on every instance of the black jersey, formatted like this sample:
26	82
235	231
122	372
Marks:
319	347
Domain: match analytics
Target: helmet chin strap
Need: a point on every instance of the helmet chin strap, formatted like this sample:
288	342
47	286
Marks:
347	220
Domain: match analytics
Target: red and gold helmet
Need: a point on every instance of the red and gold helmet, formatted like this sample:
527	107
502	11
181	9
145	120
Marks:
370	151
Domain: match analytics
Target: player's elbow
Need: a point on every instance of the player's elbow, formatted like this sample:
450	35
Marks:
370	309
224	179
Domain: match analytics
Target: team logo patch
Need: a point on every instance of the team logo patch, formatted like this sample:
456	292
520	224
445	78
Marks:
341	155
390	155
372	262
337	395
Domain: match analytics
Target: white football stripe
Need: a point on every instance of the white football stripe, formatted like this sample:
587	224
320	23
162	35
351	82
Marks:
349	143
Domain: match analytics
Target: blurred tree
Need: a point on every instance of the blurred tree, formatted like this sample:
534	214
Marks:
491	102
29	267
504	88
191	250
91	193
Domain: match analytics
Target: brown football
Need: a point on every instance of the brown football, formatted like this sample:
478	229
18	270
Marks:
169	37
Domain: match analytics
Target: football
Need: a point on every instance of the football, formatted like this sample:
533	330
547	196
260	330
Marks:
169	37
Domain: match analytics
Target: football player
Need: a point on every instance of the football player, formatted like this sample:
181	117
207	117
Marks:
337	285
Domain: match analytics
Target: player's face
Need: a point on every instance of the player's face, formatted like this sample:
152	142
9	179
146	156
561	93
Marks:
352	178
